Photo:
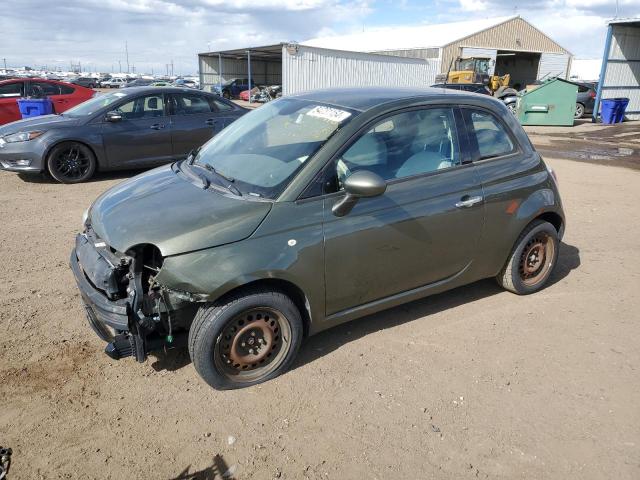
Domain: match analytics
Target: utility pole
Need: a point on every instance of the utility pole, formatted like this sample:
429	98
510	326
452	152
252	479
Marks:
119	66
126	51
5	64
172	67
167	65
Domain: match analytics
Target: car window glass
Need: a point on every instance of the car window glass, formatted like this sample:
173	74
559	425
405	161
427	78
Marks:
11	90
189	104
403	145
491	137
65	89
149	106
43	88
220	105
582	88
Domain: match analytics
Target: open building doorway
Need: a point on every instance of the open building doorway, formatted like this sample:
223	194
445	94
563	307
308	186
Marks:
522	66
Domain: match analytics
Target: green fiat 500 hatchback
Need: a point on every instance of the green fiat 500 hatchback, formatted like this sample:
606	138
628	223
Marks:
311	211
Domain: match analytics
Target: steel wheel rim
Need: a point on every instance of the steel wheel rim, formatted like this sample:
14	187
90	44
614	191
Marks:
512	108
536	259
579	111
71	163
253	344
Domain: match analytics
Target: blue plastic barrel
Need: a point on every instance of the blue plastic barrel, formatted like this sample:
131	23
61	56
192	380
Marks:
613	109
33	107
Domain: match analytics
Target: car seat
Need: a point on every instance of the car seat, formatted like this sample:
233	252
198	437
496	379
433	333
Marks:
423	162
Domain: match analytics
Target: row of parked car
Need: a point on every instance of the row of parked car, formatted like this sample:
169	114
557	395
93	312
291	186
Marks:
136	127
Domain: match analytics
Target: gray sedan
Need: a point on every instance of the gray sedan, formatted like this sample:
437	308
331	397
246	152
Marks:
136	128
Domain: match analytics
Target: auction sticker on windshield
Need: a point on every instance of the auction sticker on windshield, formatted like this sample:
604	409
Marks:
329	113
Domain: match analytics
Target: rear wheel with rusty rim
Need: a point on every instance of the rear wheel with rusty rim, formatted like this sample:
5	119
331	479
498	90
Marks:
246	339
532	259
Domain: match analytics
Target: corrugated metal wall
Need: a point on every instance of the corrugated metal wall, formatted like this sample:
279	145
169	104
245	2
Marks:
622	75
262	71
553	65
312	68
516	35
424	53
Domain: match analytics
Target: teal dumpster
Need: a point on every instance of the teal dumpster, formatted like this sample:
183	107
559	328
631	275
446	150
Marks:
551	103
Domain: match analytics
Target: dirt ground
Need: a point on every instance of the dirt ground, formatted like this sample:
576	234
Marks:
473	383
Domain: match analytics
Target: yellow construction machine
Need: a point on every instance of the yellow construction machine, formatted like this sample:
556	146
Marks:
476	70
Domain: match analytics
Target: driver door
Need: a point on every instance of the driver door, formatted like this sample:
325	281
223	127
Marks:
142	137
417	232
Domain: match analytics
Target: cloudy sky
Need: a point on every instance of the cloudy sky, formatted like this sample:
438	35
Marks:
94	32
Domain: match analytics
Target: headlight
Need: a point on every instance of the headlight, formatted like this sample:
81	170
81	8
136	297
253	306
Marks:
21	136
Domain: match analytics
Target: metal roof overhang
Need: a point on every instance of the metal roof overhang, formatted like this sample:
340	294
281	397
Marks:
267	52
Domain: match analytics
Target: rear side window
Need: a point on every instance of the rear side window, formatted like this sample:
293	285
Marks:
220	105
43	88
190	104
11	90
66	89
489	135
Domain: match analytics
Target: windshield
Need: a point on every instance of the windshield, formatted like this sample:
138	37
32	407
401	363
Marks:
265	148
93	105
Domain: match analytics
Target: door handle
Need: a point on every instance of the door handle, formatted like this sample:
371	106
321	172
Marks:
211	121
157	126
466	201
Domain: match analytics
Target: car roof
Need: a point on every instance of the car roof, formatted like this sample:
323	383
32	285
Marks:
152	89
368	97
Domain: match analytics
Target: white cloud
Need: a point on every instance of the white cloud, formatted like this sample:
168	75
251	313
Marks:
94	32
474	5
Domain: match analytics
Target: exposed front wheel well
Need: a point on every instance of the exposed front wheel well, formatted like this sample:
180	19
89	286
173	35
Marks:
553	218
288	288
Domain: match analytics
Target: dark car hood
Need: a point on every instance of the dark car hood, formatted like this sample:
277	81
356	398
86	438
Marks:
42	122
160	207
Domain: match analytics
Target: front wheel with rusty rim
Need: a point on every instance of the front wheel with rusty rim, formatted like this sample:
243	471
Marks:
246	339
532	259
71	162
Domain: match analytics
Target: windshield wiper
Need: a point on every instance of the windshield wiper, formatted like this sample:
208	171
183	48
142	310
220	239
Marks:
229	180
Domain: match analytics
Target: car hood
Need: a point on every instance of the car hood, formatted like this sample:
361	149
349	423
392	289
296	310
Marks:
162	208
42	122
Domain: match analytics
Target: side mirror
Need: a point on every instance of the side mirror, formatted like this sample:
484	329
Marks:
113	117
362	184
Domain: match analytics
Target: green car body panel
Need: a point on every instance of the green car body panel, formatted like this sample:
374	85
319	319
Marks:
410	242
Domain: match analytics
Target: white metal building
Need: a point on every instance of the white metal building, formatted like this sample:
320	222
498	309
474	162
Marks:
299	67
516	46
405	56
620	73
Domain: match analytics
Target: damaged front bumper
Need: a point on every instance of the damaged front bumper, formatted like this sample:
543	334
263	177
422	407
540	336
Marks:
120	312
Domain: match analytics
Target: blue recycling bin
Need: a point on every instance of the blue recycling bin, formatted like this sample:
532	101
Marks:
33	107
613	109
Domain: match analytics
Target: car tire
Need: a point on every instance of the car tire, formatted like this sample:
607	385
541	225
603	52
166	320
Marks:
532	259
71	162
579	111
222	335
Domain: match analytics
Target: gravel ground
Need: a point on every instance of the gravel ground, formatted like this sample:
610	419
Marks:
474	383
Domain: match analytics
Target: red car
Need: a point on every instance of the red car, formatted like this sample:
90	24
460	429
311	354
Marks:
64	95
244	95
